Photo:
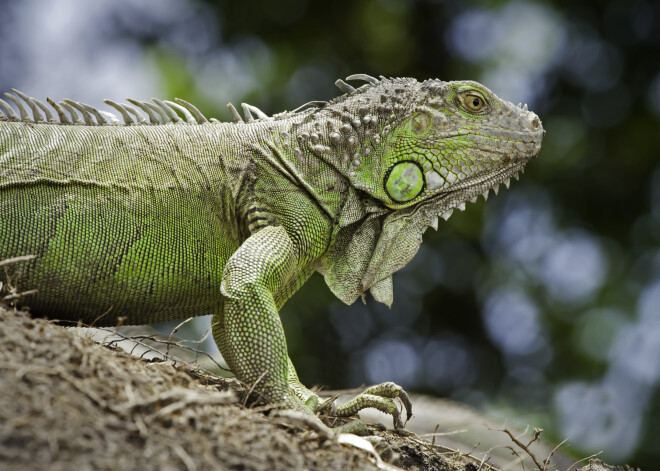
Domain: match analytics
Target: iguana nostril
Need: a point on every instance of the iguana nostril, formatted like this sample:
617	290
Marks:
533	122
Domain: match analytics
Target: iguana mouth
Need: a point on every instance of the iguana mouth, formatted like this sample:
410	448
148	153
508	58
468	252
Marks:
468	194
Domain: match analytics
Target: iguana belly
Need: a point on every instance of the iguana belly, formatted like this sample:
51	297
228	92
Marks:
150	255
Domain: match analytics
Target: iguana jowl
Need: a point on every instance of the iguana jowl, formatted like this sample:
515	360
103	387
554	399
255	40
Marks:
175	218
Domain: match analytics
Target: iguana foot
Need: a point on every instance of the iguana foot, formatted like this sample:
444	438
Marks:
381	397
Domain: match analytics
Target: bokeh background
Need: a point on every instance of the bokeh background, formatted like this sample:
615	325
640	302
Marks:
542	305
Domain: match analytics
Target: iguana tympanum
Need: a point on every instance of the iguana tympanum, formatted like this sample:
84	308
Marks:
159	218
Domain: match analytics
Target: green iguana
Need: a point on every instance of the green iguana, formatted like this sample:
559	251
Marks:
149	221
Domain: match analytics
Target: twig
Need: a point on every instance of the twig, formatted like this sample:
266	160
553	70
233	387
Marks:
455	452
101	316
584	459
442	434
298	418
225	397
15	296
174	331
11	288
182	398
22	258
484	460
524	448
547	460
251	390
184	457
138	339
519	459
536	436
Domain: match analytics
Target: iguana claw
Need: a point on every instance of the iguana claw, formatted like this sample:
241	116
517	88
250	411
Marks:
378	397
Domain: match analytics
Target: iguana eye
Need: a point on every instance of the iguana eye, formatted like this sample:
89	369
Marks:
404	181
474	102
420	123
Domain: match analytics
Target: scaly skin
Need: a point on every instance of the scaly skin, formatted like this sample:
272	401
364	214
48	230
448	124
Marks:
159	222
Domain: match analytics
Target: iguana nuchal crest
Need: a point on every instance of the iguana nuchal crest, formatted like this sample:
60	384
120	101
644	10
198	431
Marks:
157	217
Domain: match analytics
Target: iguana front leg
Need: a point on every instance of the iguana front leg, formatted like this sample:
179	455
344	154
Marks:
249	333
250	336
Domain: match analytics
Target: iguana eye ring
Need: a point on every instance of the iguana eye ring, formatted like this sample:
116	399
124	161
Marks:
404	181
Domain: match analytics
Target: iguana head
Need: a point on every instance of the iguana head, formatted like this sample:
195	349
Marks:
435	139
423	149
